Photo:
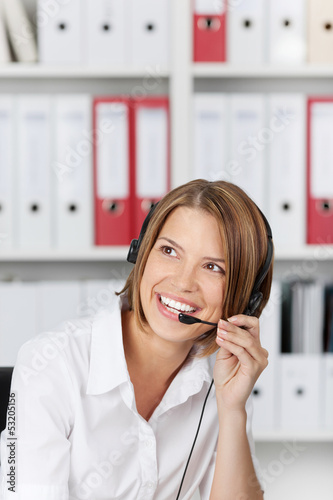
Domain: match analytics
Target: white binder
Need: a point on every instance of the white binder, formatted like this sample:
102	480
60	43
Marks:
328	394
18	324
287	31
287	170
60	32
5	56
246	33
301	392
20	30
210	122
6	171
249	138
320	31
33	188
107	31
150	32
72	177
265	401
57	302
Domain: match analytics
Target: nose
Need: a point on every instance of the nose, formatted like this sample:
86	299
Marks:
184	278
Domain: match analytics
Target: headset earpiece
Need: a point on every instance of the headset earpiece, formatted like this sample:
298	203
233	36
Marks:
254	303
135	244
133	252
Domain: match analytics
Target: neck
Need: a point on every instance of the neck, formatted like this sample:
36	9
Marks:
150	356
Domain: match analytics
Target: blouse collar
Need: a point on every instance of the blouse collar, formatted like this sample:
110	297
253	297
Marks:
108	368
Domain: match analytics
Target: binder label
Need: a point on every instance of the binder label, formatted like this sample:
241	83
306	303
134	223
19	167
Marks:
152	152
322	150
112	153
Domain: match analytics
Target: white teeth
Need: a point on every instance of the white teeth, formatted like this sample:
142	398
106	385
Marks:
178	306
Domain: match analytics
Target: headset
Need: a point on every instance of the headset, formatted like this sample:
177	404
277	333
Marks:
253	304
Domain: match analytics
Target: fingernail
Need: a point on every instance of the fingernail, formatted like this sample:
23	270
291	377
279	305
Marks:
233	319
223	332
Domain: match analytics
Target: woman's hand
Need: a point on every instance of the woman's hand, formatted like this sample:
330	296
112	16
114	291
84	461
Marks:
239	362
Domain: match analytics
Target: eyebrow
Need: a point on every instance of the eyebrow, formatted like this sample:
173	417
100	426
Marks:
173	243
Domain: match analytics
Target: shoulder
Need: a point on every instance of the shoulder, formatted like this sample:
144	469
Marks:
63	352
69	335
68	351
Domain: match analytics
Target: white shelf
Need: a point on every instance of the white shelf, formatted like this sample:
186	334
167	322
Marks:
305	436
308	252
200	70
93	255
225	70
35	70
311	252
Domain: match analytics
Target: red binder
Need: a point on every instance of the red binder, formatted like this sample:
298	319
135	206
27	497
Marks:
112	171
150	155
209	31
319	171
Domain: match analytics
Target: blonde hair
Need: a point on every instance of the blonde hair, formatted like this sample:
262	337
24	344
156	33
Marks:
244	238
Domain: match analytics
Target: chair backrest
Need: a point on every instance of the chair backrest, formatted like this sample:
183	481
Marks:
5	381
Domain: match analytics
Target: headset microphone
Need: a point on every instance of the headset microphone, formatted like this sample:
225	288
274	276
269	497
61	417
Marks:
190	320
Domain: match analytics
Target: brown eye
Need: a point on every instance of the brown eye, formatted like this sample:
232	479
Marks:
215	268
168	250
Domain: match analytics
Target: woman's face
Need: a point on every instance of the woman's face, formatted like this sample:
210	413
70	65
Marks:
185	272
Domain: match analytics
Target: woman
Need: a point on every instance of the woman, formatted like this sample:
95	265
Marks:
110	408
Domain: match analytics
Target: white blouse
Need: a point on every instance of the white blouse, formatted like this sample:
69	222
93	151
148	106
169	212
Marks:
79	435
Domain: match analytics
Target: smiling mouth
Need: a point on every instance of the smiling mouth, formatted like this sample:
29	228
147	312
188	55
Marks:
176	307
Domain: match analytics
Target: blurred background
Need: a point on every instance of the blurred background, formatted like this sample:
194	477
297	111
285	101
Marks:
106	105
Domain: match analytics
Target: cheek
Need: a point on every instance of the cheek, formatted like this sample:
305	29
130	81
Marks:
215	295
155	270
152	275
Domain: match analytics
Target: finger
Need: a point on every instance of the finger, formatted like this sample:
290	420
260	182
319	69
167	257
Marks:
223	353
256	352
241	332
249	323
244	339
244	356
